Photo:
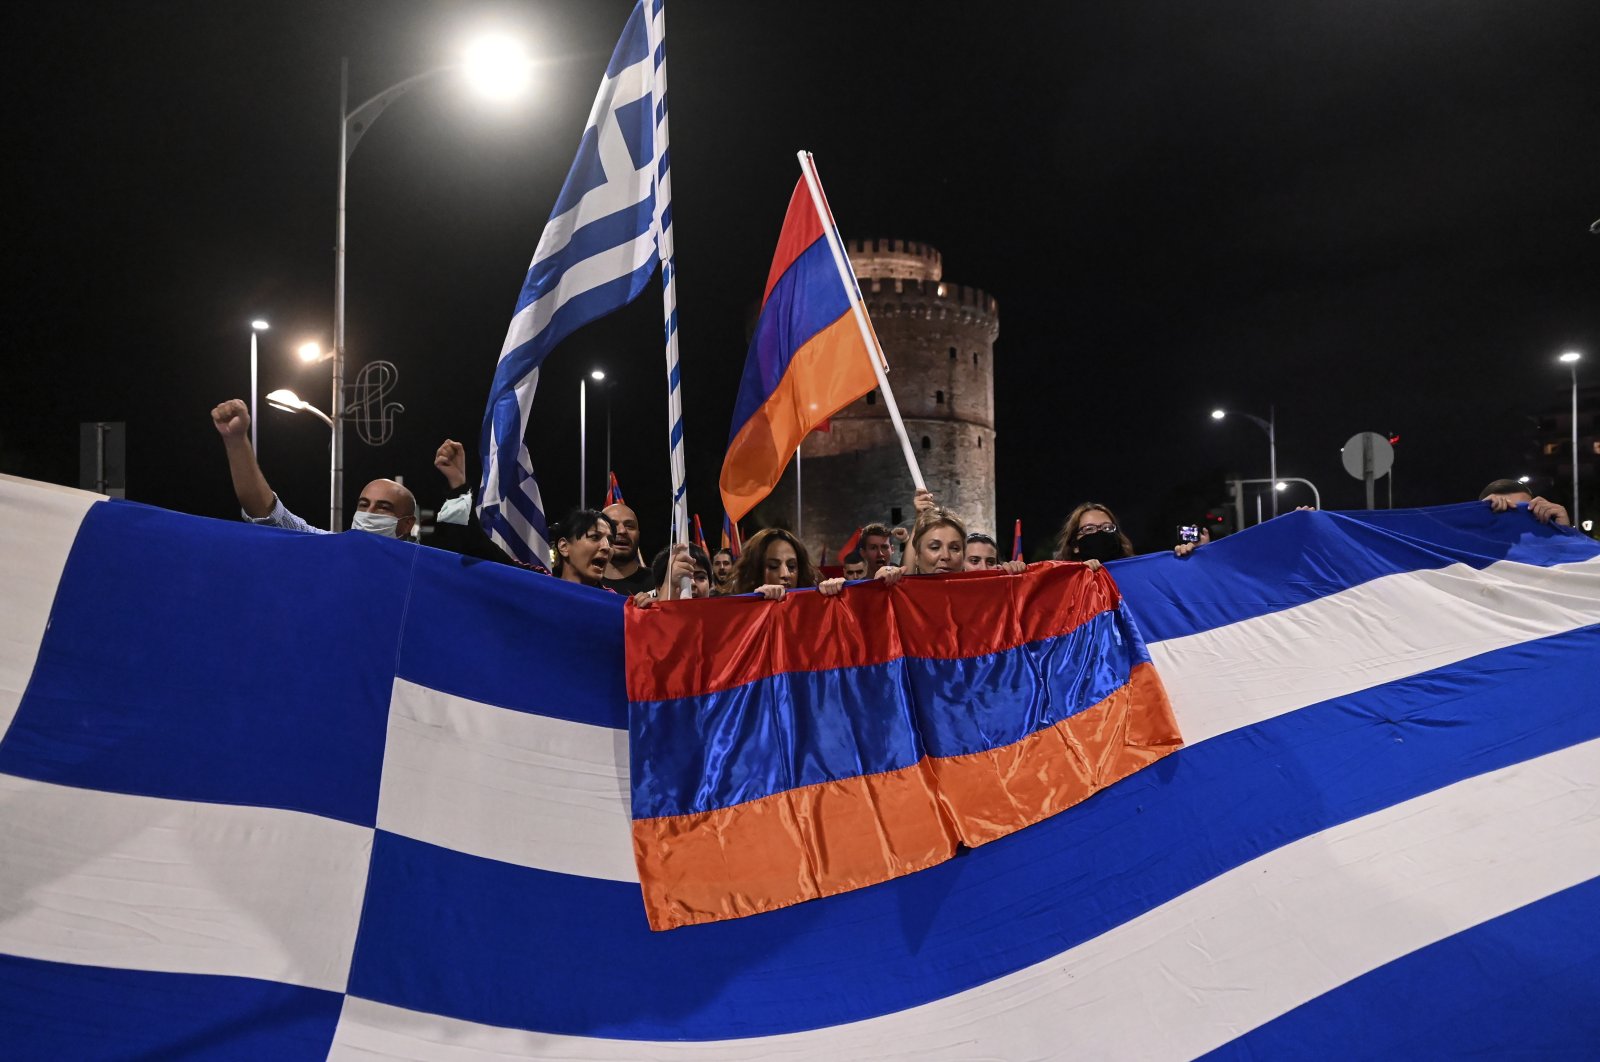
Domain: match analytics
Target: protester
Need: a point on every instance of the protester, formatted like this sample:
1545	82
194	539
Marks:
583	547
625	574
775	561
722	572
688	560
937	545
1503	495
385	507
982	553
1091	535
874	547
855	565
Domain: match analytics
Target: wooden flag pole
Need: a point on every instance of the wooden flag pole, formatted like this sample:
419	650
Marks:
847	277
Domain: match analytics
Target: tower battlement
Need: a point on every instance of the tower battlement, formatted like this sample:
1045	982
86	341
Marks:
932	299
897	259
939	339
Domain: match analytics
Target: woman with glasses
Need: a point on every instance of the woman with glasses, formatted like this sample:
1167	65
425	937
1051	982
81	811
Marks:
1091	535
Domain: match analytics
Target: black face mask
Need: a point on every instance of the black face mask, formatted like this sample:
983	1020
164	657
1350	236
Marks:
1101	546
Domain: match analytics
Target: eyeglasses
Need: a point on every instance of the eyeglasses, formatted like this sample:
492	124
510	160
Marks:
1096	529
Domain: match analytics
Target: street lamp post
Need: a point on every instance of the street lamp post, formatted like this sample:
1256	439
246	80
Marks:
1270	426
256	328
583	435
1571	359
496	67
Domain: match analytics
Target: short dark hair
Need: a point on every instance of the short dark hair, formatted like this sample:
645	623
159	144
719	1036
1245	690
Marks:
880	530
853	557
979	536
1504	486
579	522
658	567
719	552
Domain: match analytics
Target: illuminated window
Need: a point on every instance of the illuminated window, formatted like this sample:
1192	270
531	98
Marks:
1551	448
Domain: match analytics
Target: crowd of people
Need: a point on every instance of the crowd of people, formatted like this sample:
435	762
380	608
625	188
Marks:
601	547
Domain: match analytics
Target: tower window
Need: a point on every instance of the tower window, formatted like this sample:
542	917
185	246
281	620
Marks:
980	442
974	357
953	354
938	398
927	443
895	514
872	398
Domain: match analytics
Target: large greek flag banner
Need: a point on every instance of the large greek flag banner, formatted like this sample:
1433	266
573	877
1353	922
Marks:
596	255
288	796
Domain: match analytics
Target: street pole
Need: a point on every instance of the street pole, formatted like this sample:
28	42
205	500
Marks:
255	446
1272	445
583	443
799	504
1575	518
336	406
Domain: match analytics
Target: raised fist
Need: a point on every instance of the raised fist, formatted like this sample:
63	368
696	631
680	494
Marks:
451	461
232	419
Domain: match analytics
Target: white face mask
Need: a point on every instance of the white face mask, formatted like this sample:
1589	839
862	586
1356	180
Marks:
376	523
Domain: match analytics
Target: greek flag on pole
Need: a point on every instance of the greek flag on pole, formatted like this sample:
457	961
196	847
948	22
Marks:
596	255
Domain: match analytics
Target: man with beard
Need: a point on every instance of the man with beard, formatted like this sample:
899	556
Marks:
722	572
624	572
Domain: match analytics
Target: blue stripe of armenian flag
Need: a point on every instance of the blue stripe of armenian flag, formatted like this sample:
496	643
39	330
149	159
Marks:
806	361
828	743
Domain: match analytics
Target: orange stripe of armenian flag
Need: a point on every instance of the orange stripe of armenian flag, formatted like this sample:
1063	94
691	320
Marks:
806	362
774	776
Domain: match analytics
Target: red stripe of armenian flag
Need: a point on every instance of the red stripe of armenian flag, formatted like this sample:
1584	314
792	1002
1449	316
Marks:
822	744
806	362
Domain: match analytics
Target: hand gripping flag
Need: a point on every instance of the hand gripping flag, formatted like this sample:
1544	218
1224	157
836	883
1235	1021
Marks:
806	362
322	824
596	255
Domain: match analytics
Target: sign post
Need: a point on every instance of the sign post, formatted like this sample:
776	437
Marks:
1366	456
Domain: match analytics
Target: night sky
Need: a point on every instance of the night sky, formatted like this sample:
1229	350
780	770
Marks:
1372	214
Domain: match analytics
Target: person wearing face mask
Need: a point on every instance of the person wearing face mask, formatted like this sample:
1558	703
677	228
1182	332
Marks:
583	547
385	508
775	562
1091	535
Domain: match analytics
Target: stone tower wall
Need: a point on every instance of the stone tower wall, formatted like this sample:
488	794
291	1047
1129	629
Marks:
939	339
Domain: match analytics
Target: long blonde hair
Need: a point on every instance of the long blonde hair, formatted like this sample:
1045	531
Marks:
929	520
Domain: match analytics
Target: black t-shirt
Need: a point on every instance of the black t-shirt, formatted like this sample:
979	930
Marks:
639	582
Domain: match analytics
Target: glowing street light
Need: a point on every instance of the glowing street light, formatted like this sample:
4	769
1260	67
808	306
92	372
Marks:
290	402
311	352
1270	426
497	68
